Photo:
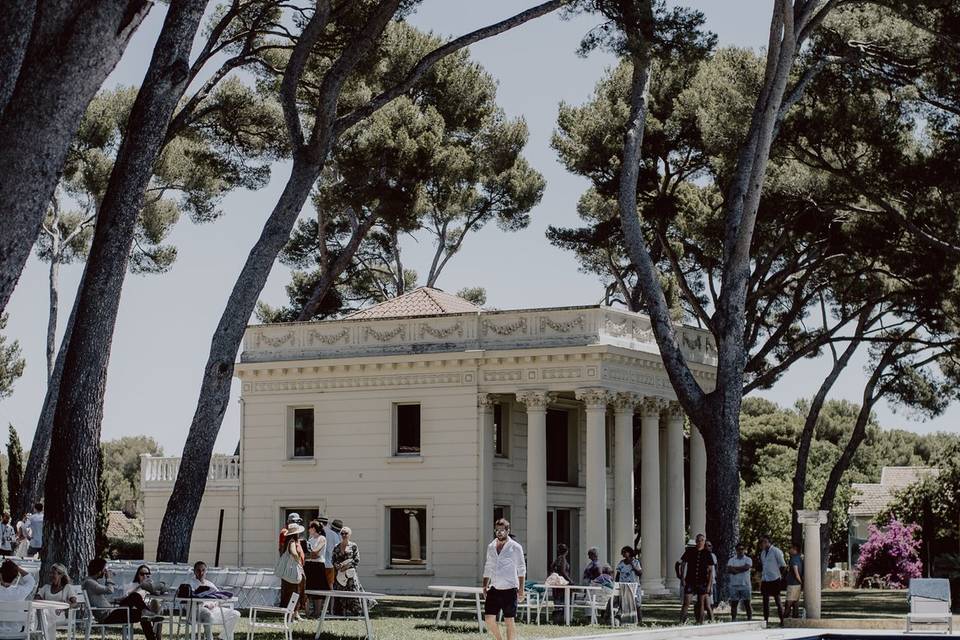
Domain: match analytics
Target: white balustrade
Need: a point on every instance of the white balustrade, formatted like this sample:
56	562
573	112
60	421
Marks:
163	470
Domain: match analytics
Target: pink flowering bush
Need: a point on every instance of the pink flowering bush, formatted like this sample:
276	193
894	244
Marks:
891	555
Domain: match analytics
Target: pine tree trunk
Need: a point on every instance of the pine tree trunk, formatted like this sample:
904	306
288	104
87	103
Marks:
71	487
184	503
73	46
54	310
15	31
722	440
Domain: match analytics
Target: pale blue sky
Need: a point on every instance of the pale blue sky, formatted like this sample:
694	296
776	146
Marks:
165	323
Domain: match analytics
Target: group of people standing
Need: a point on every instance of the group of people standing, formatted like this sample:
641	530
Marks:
697	571
24	539
319	558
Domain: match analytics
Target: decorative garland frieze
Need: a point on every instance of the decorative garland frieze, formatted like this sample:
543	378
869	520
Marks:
561	327
275	341
443	332
315	336
386	336
505	329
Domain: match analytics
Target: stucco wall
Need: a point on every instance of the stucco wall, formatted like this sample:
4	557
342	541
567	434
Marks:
354	477
203	544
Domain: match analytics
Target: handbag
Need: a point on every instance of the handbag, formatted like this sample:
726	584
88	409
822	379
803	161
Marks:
288	569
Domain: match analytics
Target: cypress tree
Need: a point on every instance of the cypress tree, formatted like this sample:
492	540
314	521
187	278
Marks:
15	475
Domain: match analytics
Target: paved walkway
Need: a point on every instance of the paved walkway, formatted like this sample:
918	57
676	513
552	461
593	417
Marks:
740	631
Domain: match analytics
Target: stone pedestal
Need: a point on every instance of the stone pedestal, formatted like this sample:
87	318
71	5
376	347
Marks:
811	521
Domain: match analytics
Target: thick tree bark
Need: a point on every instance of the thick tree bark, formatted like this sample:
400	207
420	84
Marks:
15	29
71	489
184	504
73	46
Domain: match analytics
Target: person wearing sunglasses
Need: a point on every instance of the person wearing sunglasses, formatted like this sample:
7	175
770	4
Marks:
145	586
503	574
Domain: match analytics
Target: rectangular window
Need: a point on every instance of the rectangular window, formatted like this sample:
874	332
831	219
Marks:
407	431
307	514
302	433
501	431
501	511
558	449
407	536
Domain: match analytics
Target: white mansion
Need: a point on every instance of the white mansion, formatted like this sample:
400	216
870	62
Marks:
420	420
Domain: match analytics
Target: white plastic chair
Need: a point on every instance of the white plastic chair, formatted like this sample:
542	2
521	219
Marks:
16	620
90	621
285	624
930	604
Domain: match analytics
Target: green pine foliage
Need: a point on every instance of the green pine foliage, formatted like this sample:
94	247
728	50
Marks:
11	362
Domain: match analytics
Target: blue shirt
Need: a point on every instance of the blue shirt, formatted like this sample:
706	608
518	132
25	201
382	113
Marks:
795	561
771	562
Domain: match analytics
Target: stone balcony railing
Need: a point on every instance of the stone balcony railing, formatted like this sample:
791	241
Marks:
162	471
484	330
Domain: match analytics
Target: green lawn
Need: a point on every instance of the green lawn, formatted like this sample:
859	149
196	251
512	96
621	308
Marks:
411	618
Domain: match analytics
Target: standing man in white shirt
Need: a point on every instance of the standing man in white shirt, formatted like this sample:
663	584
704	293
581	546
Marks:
739	567
36	531
503	575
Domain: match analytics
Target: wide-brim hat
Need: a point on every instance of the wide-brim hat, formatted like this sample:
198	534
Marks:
294	517
294	529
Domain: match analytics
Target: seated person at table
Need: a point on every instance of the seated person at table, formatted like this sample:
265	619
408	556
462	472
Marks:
212	612
99	588
58	590
143	585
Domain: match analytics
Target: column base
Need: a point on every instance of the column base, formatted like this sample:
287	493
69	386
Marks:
672	585
654	587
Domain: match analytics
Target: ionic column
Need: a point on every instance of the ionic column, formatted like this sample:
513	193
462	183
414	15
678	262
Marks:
698	483
536	543
595	401
623	521
676	531
414	535
811	521
485	402
650	494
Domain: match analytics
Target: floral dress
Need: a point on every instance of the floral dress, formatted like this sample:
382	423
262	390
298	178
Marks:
345	560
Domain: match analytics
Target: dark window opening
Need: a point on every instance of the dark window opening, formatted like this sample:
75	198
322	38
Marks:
408	429
500	432
558	447
303	433
408	536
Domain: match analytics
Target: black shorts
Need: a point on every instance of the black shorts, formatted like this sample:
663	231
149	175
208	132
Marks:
695	589
770	588
501	600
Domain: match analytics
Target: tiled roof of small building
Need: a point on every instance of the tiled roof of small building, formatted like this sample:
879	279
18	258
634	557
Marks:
120	527
869	499
419	302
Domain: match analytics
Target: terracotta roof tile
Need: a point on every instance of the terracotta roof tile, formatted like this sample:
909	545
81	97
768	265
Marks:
419	302
869	499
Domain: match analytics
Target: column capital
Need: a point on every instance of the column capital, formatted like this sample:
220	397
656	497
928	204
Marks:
625	402
650	406
593	398
485	401
807	517
675	411
535	398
